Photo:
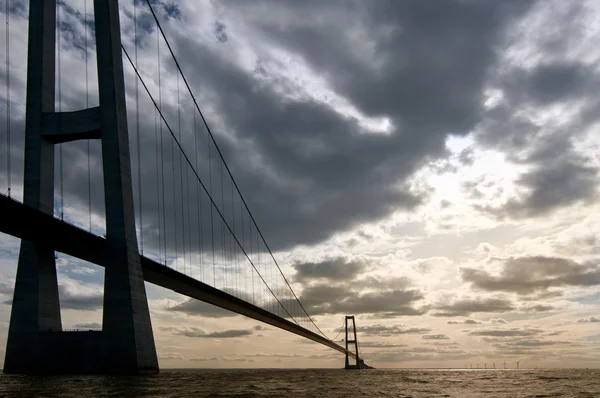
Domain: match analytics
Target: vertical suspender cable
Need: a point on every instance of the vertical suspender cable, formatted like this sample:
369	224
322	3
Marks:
174	200
199	200
252	270
243	245
180	175
137	127
189	223
162	163
7	34
60	146
212	222
234	252
157	185
258	269
87	105
223	227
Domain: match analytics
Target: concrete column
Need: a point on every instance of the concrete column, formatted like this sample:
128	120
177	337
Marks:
35	304
126	320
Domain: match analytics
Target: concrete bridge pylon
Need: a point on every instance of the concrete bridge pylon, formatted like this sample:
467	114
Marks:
36	342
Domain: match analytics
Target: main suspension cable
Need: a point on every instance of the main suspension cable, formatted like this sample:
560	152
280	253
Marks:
187	159
225	164
341	328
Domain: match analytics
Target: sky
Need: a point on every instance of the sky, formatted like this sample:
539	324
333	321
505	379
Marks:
430	167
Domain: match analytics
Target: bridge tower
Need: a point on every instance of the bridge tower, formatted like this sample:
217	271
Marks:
352	341
36	342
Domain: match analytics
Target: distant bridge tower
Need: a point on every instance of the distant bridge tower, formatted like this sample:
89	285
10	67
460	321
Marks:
36	342
352	341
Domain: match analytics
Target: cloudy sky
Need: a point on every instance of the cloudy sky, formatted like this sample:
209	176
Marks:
431	167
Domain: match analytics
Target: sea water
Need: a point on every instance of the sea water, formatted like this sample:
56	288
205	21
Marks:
315	383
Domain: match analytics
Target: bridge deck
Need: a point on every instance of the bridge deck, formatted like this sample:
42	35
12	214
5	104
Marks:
27	223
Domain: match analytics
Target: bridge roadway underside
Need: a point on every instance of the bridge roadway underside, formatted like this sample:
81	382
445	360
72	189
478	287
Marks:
27	223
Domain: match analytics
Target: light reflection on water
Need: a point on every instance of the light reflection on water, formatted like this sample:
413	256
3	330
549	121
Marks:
315	383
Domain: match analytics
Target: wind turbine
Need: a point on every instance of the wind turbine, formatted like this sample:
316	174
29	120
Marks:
517	364
477	366
485	365
494	363
504	364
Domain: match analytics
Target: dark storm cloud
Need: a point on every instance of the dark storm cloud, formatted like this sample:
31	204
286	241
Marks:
337	269
467	306
326	299
351	180
426	50
559	80
559	177
71	27
548	82
558	174
387	330
526	275
385	297
199	333
197	307
433	65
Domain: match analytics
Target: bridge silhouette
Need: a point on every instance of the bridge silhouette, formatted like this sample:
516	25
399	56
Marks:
200	238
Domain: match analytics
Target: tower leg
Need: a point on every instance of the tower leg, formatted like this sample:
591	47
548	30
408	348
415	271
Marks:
35	305
126	318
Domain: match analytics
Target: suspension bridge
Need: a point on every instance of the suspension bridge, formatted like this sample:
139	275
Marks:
163	205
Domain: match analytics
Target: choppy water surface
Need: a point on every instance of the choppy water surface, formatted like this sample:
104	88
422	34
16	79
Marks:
315	383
